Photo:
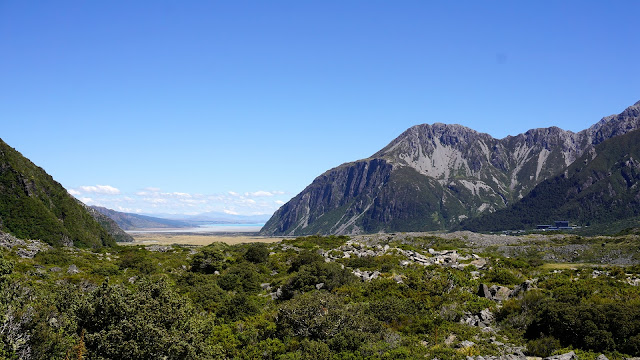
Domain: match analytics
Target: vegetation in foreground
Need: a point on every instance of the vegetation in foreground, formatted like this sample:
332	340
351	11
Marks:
312	298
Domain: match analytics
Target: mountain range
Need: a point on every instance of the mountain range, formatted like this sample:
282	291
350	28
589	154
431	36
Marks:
130	221
440	176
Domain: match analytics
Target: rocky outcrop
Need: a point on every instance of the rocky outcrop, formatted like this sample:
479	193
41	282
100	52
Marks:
431	177
24	248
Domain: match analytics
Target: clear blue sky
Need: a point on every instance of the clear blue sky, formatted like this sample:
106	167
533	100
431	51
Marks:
187	106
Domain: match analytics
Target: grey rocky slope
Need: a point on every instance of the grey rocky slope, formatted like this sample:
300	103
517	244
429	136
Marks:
109	224
431	177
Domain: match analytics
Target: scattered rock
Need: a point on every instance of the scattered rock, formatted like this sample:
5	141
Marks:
73	269
55	269
568	356
449	340
159	248
483	291
26	249
499	293
465	344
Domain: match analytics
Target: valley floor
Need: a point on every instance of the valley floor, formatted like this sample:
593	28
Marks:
198	239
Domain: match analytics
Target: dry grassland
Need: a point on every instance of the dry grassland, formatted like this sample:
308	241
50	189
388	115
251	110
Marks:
197	239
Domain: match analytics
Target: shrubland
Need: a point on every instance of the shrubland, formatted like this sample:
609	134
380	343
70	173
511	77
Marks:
316	298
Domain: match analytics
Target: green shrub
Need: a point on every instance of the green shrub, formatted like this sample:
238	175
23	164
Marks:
242	277
502	277
138	260
208	260
55	256
304	258
544	346
257	253
331	275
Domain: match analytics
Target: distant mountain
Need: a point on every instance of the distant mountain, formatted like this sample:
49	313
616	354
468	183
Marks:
128	221
432	177
213	217
108	224
218	217
34	206
602	186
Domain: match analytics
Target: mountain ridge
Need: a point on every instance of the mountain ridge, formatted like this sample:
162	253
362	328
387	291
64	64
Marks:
462	174
35	206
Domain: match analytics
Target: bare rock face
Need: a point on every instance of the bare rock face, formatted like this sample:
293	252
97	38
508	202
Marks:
432	177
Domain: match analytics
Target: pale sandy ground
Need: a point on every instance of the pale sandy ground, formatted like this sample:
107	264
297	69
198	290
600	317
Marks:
197	239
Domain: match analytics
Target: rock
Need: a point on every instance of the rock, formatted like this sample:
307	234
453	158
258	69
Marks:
568	356
602	357
480	263
397	279
466	343
265	286
499	293
73	269
158	248
55	269
483	291
521	289
486	315
132	279
450	339
319	286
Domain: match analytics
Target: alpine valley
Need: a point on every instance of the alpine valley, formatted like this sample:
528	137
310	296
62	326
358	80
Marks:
443	177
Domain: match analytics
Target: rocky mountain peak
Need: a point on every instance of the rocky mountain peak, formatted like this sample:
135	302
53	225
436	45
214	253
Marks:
433	176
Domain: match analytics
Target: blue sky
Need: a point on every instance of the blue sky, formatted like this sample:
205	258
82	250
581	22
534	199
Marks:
236	106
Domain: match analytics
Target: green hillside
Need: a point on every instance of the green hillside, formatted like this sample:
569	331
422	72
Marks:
599	188
33	205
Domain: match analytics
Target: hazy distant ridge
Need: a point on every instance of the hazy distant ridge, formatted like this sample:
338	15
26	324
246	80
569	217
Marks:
129	221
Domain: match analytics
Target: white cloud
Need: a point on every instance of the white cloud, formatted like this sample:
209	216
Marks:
155	201
128	210
258	193
100	189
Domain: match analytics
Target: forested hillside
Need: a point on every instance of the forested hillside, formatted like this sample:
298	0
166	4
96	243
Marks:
34	206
